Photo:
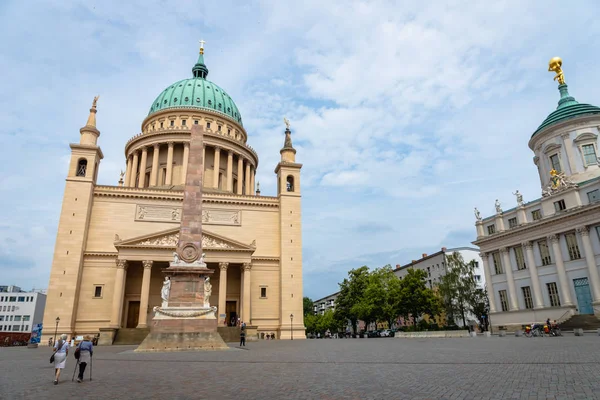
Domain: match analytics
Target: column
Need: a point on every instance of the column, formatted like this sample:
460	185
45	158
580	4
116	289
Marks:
565	292
169	177
568	144
252	175
488	281
246	302
134	169
145	294
538	300
230	171
143	164
128	171
512	293
217	163
186	158
154	172
590	260
240	174
222	292
117	302
247	179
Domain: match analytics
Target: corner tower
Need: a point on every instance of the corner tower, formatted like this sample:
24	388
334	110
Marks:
65	276
290	227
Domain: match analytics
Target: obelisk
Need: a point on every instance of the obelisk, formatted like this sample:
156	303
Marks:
186	320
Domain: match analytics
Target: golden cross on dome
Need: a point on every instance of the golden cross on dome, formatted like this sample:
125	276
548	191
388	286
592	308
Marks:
202	46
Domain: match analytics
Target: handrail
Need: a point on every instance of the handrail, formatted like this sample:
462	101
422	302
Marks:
559	320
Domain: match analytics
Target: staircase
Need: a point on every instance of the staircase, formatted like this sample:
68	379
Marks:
131	335
587	322
229	333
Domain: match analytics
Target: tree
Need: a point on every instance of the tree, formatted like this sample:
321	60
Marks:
416	299
308	306
327	322
458	287
381	298
311	321
351	291
481	307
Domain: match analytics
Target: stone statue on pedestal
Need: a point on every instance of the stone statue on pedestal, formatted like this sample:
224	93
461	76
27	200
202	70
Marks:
207	291
519	198
498	208
477	214
164	292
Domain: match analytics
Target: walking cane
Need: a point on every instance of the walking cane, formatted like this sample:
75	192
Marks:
75	371
91	366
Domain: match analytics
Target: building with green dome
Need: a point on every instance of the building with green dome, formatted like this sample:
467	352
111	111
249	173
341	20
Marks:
541	257
114	241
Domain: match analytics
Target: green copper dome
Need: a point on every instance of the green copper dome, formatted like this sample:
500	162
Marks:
197	92
567	108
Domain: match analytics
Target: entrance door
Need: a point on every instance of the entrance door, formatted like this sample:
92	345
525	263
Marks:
584	297
133	314
230	307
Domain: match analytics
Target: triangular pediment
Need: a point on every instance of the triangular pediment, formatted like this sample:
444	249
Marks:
168	240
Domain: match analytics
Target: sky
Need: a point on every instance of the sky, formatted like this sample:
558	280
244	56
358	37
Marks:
405	115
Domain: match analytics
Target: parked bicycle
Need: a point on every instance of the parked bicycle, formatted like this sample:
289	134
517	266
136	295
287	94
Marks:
536	330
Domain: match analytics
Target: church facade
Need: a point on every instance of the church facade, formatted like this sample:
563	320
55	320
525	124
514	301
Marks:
114	241
541	257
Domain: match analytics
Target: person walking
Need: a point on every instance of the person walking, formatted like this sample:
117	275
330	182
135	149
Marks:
61	351
86	351
243	337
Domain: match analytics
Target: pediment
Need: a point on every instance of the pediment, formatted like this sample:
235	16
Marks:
552	147
168	240
585	137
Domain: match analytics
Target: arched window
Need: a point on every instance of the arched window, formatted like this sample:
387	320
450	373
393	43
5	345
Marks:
81	167
290	183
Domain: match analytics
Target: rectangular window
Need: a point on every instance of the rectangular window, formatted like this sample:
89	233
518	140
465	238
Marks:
491	229
172	123
544	252
195	122
219	128
503	300
594	196
208	125
589	154
21	299
183	122
527	296
98	291
2	298
572	246
428	272
555	162
13	299
17	318
26	317
553	294
512	222
263	292
536	215
162	124
559	205
497	263
519	257
1	317
16	328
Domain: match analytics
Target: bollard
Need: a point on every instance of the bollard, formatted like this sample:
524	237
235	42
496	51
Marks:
473	334
487	334
598	332
502	333
518	333
578	332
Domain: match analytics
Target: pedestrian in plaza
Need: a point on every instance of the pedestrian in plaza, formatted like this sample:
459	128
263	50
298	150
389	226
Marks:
243	337
50	342
61	351
86	351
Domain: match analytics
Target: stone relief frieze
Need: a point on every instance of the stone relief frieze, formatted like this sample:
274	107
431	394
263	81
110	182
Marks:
157	213
221	217
173	239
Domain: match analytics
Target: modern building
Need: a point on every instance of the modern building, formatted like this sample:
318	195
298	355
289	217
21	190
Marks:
324	304
20	311
114	241
541	257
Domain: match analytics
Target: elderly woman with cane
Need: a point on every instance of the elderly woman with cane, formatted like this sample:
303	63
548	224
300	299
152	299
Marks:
85	352
59	357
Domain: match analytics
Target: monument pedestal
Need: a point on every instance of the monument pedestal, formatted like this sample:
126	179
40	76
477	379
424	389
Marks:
186	321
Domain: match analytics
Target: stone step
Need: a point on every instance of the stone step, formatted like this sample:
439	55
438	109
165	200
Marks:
582	321
229	334
131	335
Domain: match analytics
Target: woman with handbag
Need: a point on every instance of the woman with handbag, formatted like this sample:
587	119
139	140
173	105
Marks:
59	357
85	350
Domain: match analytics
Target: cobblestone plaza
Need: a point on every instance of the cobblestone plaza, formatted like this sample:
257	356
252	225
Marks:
468	368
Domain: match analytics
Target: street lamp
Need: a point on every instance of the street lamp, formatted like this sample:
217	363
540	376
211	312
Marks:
291	329
56	329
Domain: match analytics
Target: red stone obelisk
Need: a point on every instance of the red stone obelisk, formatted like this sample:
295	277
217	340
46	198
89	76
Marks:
186	321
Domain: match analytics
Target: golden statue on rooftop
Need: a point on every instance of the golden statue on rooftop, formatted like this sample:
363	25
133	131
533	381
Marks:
555	65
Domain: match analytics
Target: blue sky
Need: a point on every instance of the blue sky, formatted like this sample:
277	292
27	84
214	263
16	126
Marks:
405	117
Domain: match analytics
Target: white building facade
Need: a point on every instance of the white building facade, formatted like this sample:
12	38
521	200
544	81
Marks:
541	258
20	311
324	304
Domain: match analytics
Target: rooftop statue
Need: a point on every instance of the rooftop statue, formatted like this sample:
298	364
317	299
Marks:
555	66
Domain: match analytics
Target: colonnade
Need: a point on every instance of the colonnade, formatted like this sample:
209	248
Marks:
563	281
137	165
119	292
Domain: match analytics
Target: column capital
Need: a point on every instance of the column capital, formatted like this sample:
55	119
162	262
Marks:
553	238
156	146
135	152
186	144
247	267
171	144
565	135
121	264
223	266
217	148
147	264
527	244
144	148
504	250
230	153
583	230
483	255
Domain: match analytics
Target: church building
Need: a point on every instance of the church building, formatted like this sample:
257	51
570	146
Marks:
114	241
541	257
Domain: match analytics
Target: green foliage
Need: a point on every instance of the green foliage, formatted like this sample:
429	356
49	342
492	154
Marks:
481	307
416	298
381	298
308	306
351	291
321	323
458	288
